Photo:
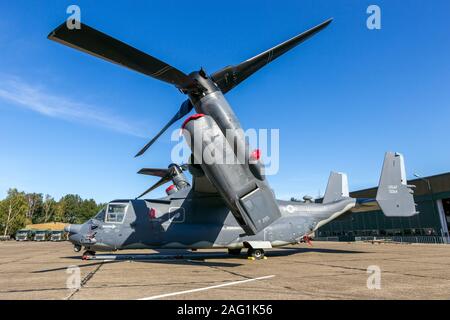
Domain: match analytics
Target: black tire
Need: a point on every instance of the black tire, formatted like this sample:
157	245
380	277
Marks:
88	253
258	254
77	248
234	252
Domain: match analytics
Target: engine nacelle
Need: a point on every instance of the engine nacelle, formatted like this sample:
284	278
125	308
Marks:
178	178
216	106
171	189
249	198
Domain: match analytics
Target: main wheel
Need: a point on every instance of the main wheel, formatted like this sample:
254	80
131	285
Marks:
87	254
234	252
77	248
258	254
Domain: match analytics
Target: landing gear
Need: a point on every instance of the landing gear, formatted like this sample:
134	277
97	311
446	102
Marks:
87	254
306	239
234	252
256	254
77	248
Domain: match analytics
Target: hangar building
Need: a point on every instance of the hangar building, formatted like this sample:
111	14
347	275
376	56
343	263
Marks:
432	195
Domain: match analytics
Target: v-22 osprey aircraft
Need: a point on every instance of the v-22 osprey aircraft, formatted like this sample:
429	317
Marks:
227	205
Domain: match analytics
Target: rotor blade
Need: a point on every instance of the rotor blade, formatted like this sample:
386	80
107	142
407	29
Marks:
185	108
156	185
229	77
154	172
101	45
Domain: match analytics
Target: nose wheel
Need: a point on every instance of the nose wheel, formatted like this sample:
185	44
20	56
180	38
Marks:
256	254
88	254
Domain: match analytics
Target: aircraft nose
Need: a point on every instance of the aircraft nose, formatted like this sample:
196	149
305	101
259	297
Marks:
73	228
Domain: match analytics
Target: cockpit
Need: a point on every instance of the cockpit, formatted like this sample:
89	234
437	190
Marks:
100	216
112	213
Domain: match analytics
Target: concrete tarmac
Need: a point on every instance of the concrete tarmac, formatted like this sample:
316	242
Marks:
327	270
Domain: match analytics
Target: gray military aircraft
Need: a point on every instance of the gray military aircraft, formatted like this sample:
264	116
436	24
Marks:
228	204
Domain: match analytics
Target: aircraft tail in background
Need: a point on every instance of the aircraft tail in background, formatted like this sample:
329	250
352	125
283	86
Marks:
337	188
394	195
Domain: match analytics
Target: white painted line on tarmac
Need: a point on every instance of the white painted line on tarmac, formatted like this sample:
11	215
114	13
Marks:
206	288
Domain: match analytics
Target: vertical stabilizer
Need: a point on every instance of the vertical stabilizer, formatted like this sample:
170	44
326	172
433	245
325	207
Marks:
337	188
395	196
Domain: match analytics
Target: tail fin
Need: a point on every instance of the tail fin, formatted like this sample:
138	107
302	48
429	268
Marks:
337	187
394	196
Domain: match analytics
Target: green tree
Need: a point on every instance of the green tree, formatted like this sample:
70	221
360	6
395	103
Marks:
69	208
35	206
49	207
20	208
88	209
13	212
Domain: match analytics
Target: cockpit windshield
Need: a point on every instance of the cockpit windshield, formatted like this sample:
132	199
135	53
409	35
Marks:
115	212
101	214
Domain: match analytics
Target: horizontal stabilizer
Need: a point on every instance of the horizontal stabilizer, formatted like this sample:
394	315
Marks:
395	196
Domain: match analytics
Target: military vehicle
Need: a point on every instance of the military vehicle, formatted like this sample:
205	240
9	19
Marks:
227	204
23	235
41	235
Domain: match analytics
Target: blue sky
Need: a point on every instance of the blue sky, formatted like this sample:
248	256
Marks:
71	123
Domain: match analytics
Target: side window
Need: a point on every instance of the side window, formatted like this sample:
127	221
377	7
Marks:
115	213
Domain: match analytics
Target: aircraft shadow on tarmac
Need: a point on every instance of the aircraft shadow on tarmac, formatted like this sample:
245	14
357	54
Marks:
154	260
186	257
282	251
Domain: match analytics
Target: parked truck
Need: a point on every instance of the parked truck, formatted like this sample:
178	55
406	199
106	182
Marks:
41	235
58	235
50	231
24	235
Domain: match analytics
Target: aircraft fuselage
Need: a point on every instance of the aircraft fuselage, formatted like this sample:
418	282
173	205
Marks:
203	221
